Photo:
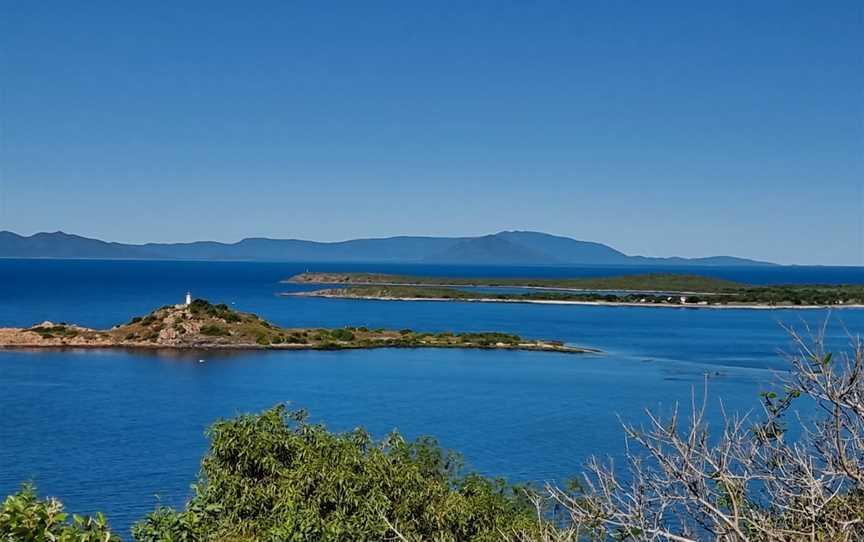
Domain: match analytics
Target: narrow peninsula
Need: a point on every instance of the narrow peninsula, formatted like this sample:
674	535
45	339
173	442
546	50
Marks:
642	290
200	324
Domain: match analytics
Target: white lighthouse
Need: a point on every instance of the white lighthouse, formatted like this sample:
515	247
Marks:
188	298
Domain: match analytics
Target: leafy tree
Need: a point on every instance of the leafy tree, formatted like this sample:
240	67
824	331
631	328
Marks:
275	476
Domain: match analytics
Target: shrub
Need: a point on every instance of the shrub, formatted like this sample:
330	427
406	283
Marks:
342	335
49	332
274	476
214	331
25	518
201	307
490	338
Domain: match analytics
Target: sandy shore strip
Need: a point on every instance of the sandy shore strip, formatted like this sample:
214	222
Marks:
567	302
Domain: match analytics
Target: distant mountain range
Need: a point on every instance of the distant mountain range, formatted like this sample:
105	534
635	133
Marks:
504	248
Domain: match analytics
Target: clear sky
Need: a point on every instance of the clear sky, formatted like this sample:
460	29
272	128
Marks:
660	128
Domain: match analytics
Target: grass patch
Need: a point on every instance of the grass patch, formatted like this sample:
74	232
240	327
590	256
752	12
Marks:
214	331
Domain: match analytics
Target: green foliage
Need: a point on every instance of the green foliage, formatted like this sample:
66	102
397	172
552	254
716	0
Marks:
48	332
490	338
296	338
776	407
327	344
342	335
275	477
645	281
767	295
214	331
25	518
201	307
231	317
658	288
262	340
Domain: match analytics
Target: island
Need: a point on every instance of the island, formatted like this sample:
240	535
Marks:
641	290
199	324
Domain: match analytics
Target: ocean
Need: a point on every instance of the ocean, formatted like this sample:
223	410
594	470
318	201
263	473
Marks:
124	431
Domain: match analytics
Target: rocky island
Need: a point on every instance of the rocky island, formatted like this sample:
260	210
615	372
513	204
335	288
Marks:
200	324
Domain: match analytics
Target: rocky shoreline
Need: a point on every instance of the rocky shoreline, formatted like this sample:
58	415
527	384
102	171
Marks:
202	325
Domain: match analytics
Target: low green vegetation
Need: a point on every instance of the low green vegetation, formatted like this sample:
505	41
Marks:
214	331
642	282
653	288
491	338
49	332
201	307
342	335
771	296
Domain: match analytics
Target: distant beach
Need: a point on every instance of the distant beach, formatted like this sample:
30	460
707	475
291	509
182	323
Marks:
325	294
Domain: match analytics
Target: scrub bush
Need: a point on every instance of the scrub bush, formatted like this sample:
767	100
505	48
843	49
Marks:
275	476
25	518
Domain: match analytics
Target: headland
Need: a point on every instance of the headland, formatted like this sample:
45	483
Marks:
200	324
644	290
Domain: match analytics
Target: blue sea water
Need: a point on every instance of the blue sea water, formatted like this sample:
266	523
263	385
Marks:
121	431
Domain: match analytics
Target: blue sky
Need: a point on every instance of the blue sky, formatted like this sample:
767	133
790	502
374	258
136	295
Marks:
660	128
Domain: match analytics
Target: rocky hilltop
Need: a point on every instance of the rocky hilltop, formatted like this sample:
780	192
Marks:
201	324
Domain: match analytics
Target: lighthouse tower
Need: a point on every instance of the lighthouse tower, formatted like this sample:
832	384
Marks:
188	298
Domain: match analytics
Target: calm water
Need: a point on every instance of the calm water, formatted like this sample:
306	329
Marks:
120	431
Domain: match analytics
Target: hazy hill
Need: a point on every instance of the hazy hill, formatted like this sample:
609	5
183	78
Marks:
491	249
504	248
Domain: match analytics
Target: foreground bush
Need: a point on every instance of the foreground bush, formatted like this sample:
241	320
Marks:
275	476
24	518
747	481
